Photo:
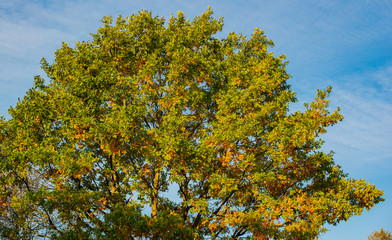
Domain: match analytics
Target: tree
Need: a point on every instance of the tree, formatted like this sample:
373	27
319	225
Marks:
147	106
380	235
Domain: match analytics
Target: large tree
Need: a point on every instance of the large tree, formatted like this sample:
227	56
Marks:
147	110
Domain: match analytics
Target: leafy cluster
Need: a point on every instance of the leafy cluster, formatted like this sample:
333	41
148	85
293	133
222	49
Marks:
146	106
380	235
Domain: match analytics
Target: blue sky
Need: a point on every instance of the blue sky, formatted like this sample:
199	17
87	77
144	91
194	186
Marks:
345	44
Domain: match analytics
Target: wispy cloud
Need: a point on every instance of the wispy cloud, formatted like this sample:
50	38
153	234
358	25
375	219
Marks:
31	30
325	36
26	41
365	135
384	78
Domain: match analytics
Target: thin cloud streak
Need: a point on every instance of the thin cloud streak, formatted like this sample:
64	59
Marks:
366	132
24	41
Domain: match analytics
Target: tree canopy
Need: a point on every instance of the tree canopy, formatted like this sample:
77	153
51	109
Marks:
380	235
148	109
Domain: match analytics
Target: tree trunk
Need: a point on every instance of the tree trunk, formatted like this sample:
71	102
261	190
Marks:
154	200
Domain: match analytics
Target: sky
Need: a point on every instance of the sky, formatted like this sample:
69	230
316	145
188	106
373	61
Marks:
343	44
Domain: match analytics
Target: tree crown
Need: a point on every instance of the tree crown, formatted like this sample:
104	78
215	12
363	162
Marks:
147	106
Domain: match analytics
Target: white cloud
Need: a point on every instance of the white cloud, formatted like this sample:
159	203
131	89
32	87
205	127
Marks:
26	41
384	78
365	135
320	37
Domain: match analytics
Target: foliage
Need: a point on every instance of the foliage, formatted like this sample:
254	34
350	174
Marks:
147	105
380	235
